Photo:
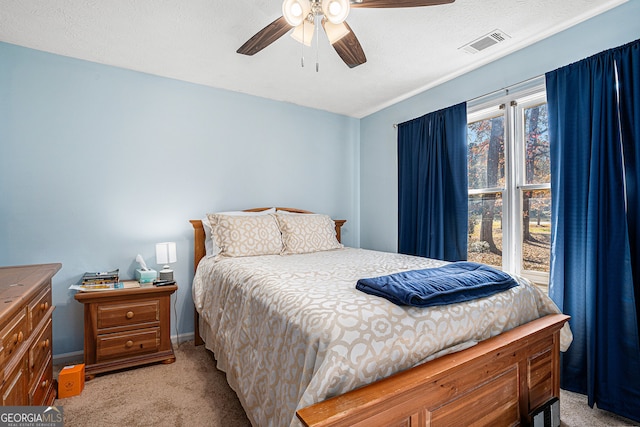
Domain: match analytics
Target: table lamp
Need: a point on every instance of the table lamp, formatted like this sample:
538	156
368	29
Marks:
165	255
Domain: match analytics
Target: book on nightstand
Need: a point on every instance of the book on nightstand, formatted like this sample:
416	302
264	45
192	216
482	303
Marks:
129	284
104	282
98	287
101	278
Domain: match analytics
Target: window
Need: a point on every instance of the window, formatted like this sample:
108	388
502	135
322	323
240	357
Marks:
510	183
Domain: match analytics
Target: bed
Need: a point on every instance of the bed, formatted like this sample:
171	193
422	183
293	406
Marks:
301	346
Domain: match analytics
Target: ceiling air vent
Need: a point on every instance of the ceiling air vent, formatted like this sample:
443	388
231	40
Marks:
494	37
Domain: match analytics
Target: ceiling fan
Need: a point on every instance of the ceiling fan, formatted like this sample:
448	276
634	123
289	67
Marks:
304	15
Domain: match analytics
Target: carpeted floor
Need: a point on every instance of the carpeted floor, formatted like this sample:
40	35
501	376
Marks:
192	392
189	392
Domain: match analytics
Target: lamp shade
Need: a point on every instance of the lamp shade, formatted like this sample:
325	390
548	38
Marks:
166	253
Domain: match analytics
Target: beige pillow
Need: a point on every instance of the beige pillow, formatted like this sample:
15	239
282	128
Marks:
211	249
238	236
304	233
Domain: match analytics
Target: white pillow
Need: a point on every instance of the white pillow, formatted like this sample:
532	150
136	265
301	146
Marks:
305	233
211	249
246	235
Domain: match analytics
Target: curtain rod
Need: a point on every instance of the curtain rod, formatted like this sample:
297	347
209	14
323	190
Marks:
503	89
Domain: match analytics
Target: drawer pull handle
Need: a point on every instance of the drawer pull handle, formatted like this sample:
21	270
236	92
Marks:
129	344
44	383
17	338
45	343
130	314
44	306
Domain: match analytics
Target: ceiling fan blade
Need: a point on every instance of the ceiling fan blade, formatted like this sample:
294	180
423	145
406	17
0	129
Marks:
349	48
397	3
265	37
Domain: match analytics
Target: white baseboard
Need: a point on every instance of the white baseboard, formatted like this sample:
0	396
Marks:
68	358
179	339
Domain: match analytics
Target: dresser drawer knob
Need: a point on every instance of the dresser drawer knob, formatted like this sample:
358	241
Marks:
18	337
45	343
129	344
130	314
44	306
44	383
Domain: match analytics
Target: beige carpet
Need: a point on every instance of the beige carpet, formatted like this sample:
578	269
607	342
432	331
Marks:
192	392
189	392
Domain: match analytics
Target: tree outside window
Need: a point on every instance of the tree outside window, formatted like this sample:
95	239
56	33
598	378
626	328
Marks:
509	186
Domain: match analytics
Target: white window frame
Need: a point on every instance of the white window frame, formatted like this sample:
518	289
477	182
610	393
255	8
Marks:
511	103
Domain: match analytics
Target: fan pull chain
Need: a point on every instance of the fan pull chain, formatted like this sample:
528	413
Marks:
317	23
302	46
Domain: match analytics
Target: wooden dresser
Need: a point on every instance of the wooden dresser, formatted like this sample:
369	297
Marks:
26	367
126	327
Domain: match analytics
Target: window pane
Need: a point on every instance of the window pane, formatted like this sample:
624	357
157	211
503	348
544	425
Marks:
536	230
485	229
485	139
536	131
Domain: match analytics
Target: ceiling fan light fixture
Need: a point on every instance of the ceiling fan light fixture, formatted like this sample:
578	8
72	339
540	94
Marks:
335	31
336	11
303	33
295	11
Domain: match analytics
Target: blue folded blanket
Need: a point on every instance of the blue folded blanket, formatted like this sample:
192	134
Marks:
451	283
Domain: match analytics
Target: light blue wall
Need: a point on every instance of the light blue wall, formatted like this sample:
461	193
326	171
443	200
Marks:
378	159
97	164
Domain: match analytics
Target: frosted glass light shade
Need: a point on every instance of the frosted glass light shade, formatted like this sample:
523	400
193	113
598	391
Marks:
295	11
336	11
303	33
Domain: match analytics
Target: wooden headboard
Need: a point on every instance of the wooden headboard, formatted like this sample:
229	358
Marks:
199	237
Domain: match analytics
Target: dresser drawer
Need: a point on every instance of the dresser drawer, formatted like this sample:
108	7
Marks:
41	388
128	314
14	334
14	388
39	307
40	351
127	344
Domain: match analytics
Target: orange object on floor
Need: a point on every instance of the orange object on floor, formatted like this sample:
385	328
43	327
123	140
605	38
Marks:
71	381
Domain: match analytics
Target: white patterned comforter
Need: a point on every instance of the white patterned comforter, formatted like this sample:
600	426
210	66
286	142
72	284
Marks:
292	330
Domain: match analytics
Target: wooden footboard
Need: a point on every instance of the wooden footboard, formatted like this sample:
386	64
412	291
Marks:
498	382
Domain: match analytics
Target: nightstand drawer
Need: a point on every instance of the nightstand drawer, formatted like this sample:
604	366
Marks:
127	314
127	344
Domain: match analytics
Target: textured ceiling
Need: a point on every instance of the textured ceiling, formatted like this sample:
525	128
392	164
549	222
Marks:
408	50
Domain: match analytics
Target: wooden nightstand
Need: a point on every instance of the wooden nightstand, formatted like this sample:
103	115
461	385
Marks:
126	327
